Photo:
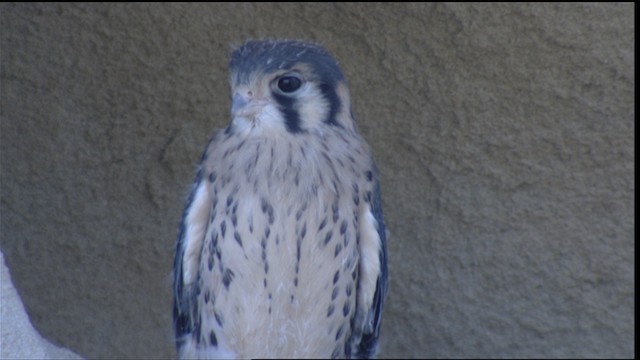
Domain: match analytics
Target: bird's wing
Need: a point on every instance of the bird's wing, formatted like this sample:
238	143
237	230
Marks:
187	261
373	281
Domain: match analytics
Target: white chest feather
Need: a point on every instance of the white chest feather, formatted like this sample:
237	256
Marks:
278	263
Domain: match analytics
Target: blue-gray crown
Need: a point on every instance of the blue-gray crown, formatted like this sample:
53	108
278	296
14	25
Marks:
268	56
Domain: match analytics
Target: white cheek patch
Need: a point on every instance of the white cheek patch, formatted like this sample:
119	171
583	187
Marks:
196	222
270	117
311	106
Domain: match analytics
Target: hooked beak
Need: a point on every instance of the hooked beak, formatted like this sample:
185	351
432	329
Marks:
246	106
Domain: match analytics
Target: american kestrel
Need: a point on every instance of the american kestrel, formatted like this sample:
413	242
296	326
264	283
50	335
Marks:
282	246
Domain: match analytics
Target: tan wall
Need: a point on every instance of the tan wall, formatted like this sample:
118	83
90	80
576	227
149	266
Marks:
503	134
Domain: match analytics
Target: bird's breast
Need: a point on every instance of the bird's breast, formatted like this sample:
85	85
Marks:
282	256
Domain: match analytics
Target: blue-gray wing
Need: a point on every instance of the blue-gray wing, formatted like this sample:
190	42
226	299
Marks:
373	280
186	263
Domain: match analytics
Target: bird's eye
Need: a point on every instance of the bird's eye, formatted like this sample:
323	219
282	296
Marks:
288	84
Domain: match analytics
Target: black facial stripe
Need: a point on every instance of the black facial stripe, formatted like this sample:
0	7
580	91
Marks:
329	93
291	115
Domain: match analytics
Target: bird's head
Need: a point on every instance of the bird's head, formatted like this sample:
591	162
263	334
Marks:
287	86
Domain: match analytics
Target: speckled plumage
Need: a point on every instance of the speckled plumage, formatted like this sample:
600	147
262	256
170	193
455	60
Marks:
282	247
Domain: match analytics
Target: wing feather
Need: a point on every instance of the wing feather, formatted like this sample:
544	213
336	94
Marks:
373	281
193	229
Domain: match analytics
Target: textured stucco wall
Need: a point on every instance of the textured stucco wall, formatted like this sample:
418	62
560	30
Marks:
503	134
18	338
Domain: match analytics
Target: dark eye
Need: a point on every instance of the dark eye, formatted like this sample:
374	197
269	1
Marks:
289	84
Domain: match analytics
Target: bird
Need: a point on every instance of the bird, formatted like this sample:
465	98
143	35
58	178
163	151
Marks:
282	246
